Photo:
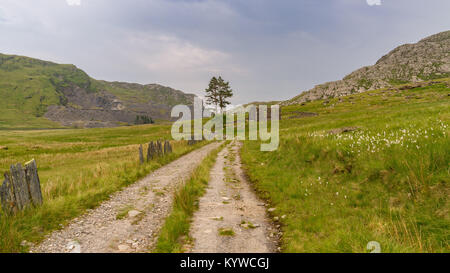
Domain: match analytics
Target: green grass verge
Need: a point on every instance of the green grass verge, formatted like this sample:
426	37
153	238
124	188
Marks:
386	182
177	224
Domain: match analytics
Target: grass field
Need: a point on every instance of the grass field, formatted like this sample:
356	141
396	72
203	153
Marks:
388	181
78	169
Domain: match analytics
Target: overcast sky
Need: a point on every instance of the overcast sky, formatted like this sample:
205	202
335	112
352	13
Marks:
267	49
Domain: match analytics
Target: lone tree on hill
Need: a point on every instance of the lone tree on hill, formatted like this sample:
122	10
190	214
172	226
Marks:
212	92
218	93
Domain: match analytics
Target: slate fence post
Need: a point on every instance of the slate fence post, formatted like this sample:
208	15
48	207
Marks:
155	149
141	154
21	188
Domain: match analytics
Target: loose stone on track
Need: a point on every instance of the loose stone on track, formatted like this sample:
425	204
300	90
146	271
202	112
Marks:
230	218
149	201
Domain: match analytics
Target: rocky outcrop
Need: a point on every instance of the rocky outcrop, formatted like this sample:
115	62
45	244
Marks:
104	109
428	59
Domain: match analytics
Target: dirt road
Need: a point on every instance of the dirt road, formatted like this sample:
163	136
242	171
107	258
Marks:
131	219
231	218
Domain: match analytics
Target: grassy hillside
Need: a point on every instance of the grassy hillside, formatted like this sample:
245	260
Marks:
387	181
137	93
78	169
28	86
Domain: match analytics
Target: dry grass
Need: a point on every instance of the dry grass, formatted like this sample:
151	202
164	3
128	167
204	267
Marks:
78	170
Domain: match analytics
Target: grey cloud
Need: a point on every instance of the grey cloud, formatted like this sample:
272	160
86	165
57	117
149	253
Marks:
267	49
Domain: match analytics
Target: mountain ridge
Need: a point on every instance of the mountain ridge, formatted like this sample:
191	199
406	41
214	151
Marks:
427	59
47	94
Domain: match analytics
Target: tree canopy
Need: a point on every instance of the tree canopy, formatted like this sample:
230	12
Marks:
218	93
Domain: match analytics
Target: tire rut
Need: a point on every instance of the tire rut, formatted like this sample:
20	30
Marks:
231	218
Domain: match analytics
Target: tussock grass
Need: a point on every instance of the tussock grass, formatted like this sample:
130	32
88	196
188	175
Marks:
226	232
177	224
386	182
78	170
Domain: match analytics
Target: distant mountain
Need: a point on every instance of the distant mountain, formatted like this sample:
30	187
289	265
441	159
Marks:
38	94
426	60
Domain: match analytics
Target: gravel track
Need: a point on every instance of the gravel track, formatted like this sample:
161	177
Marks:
130	220
231	218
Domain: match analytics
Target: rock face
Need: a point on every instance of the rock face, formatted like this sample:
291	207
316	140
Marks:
108	109
428	59
67	95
